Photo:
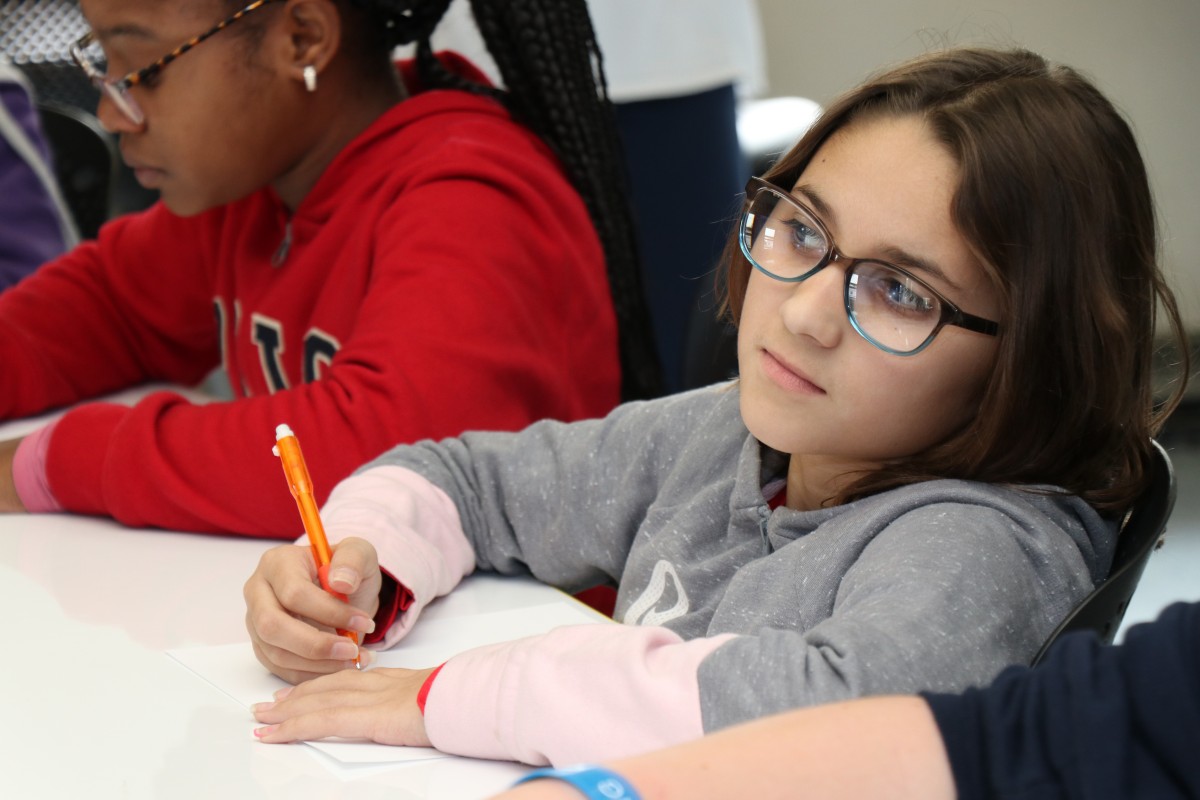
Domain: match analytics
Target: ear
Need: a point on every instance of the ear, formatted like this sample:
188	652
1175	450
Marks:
314	34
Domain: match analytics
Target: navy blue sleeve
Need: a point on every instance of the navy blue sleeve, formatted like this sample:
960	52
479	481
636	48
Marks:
1089	722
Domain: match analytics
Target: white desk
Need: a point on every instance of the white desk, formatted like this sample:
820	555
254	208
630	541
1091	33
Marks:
92	707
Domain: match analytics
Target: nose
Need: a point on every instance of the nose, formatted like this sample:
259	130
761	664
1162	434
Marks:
112	119
816	309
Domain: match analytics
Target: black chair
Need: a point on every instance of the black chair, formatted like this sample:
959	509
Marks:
710	346
1141	534
85	162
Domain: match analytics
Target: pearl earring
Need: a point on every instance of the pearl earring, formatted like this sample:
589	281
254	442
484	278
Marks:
310	78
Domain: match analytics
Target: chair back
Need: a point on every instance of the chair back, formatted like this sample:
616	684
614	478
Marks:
85	162
1141	534
710	346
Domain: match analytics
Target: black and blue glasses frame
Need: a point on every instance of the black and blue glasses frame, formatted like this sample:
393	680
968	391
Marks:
950	314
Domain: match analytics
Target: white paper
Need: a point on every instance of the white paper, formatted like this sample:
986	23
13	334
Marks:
233	669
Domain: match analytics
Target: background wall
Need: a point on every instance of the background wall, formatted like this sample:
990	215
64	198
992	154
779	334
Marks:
1144	55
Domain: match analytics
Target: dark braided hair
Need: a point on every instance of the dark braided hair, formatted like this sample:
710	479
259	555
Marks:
553	75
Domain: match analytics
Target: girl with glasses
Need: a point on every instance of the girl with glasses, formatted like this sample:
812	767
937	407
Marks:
946	296
376	255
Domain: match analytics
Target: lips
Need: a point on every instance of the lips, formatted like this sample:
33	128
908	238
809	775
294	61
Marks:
787	376
149	177
134	163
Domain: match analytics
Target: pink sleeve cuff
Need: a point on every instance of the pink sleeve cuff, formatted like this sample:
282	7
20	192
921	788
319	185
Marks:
29	472
415	529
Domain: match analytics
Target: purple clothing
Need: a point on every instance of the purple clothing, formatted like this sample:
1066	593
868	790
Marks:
30	229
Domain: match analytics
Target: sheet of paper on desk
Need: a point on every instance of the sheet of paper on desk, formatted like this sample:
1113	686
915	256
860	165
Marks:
234	670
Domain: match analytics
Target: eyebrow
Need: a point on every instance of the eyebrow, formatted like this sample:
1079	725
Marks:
895	255
124	30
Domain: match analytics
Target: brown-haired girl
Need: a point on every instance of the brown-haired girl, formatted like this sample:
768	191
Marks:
946	298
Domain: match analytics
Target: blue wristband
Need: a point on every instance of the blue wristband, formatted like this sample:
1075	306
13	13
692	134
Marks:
596	783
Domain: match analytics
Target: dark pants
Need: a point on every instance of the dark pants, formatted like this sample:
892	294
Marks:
687	173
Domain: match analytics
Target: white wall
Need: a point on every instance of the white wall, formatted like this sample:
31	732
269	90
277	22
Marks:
1144	54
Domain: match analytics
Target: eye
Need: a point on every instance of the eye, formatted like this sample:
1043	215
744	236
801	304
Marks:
898	293
805	237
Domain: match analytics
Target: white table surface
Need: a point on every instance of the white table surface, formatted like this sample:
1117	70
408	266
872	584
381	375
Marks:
91	706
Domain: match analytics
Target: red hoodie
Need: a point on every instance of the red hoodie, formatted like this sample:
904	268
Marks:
442	275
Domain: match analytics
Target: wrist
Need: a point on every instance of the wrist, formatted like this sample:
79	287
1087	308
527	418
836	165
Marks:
426	685
394	599
10	500
592	781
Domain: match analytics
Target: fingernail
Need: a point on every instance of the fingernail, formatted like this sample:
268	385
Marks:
366	657
342	578
282	693
266	730
362	624
258	707
343	651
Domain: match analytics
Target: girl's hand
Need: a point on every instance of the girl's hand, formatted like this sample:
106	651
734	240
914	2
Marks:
291	619
380	705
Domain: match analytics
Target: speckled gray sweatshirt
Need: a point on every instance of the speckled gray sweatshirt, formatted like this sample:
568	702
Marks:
731	610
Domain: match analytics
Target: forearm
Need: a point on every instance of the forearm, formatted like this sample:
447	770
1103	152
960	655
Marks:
523	700
570	526
880	747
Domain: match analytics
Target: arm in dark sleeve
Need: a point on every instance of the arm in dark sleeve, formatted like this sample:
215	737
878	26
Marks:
1091	721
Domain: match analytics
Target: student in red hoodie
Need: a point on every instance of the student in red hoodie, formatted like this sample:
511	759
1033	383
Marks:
374	256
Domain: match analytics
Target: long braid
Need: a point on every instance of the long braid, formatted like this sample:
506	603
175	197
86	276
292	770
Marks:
553	75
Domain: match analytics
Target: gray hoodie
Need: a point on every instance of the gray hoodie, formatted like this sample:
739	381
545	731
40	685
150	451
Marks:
934	586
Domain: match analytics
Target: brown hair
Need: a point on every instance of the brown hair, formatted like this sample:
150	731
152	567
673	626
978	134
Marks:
1054	200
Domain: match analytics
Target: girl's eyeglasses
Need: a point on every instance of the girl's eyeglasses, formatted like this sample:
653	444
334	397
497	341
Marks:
87	53
889	306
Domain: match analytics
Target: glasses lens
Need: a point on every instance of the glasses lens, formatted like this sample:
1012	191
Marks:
90	56
781	238
92	60
894	310
124	101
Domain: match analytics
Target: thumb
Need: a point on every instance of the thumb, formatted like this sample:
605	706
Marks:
352	561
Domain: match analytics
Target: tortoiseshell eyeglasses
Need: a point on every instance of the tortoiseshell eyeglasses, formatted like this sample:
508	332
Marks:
87	53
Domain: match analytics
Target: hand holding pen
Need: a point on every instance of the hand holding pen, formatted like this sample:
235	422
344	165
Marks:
288	617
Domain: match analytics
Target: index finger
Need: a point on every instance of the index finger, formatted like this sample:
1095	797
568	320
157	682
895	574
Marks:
274	619
287	577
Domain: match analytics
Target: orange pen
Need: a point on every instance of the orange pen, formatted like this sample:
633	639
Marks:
296	472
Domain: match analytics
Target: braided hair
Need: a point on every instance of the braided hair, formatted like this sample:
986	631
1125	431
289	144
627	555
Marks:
553	74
